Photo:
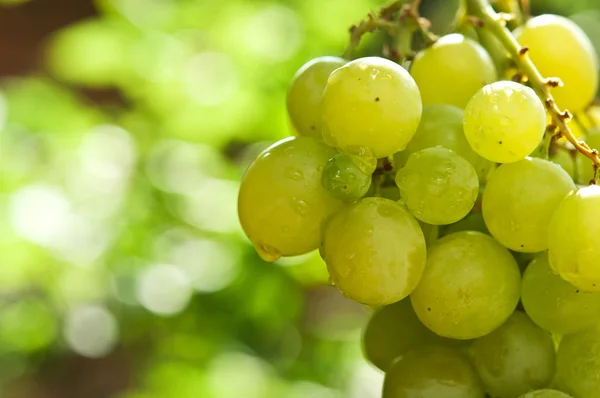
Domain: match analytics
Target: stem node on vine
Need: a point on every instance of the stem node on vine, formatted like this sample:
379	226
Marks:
523	51
553	82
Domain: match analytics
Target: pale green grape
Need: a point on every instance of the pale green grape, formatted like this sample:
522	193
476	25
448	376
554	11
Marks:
566	161
442	125
395	329
504	121
371	102
515	358
472	222
281	202
585	171
470	286
545	393
569	55
573	239
432	372
519	200
343	179
374	250
306	92
438	186
553	303
578	364
452	70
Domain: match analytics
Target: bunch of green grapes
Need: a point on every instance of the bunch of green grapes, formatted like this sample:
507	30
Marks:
431	193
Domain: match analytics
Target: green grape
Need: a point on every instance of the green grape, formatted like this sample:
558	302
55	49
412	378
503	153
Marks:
442	125
438	186
306	92
472	222
573	236
519	200
343	179
470	286
371	102
545	393
578	364
281	202
365	256
515	358
566	161
452	70
432	372
395	329
504	121
553	303
585	170
569	55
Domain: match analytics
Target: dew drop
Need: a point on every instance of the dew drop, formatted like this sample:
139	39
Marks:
268	252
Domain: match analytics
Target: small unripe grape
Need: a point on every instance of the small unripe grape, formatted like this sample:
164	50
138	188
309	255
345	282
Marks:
344	179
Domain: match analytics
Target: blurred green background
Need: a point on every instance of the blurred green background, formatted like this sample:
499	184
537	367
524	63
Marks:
125	126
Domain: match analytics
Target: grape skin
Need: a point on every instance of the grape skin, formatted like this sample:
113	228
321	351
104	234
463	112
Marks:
343	179
573	235
504	121
470	286
438	186
546	393
519	200
306	93
566	161
281	202
553	303
452	70
365	256
371	102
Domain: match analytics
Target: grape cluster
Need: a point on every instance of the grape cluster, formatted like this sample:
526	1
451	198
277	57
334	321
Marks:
428	195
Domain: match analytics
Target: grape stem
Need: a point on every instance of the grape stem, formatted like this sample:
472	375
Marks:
496	24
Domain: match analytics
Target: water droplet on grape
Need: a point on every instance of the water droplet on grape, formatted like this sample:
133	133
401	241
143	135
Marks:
293	174
268	252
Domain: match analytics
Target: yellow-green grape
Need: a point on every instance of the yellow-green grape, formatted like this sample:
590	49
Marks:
515	358
573	239
519	200
306	92
585	170
442	125
432	372
504	121
371	102
553	303
568	54
374	250
343	179
281	202
545	393
438	186
566	161
578	364
472	222
452	70
470	286
394	330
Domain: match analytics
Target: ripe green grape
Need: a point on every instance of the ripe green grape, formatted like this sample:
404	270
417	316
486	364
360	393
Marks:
546	393
585	171
519	200
438	186
374	250
432	372
504	121
578	364
371	102
515	358
395	329
306	92
442	125
281	202
553	303
566	161
452	70
569	55
470	286
344	179
472	222
573	239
